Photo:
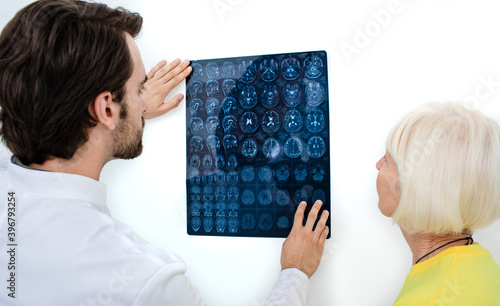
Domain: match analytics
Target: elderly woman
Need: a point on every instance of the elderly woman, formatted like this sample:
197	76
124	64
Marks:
439	181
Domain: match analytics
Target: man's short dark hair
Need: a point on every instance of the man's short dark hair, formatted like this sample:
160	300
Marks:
57	56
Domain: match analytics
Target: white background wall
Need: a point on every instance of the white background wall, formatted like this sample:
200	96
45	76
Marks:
419	51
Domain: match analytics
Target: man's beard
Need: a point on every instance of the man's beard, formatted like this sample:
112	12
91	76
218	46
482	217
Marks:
127	142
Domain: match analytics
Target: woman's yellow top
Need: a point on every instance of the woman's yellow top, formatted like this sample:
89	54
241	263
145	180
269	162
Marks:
462	275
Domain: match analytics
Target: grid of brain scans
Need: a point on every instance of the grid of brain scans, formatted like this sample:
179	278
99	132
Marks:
257	140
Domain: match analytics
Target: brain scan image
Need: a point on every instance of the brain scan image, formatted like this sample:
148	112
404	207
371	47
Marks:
314	66
283	222
293	147
220	208
300	173
318	173
257	139
228	69
228	86
213	123
208	193
213	143
269	96
208	208
232	161
229	123
319	194
265	222
265	197
265	174
207	177
221	161
233	224
195	107
220	224
196	208
316	147
233	208
248	96
195	193
194	177
195	161
293	121
228	105
247	174
249	148
282	173
220	177
212	88
282	197
195	88
292	94
268	69
271	148
315	94
196	224
233	193
290	68
212	70
300	196
220	193
248	197
315	121
197	70
230	142
196	144
196	125
208	161
249	122
248	71
271	122
232	177
212	105
248	222
208	224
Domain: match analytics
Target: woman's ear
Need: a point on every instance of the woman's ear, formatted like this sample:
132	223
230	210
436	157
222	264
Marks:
104	110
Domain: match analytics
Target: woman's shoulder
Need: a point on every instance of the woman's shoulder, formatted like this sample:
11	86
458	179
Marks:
460	276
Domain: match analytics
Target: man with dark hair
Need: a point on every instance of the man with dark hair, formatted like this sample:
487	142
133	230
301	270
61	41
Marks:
73	95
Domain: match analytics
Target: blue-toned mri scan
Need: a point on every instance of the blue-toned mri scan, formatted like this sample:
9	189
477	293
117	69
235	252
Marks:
258	143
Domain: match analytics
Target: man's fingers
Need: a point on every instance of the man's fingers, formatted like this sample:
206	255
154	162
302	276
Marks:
324	234
299	215
170	105
313	214
171	84
156	68
321	223
166	69
172	73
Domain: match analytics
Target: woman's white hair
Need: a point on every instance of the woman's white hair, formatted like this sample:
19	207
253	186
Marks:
448	159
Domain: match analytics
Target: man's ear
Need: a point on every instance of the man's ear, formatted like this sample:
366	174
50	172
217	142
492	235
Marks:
105	110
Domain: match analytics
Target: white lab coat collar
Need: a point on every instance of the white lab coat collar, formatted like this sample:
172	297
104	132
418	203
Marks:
58	185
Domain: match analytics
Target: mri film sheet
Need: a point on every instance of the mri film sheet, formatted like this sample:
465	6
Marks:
257	138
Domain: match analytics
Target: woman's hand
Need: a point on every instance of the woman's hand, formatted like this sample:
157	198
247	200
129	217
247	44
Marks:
161	80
